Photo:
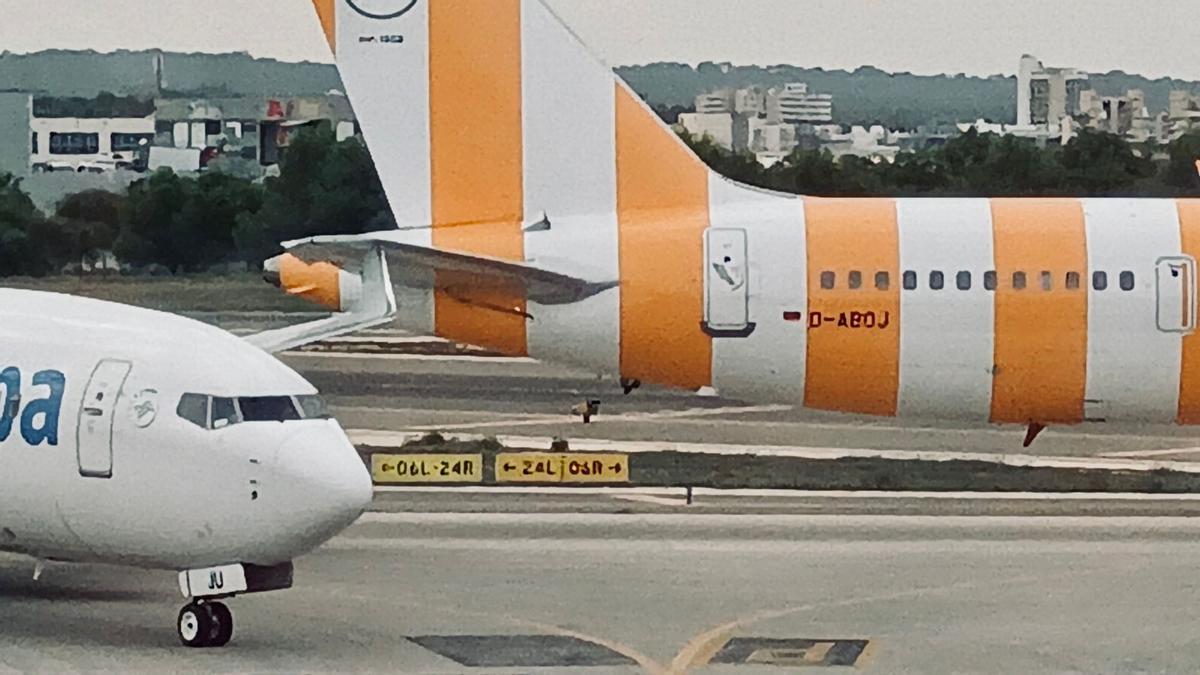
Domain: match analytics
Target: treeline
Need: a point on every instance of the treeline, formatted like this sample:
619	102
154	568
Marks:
167	223
1093	164
182	224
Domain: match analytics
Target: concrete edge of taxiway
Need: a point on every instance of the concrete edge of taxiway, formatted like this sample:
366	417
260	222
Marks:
747	467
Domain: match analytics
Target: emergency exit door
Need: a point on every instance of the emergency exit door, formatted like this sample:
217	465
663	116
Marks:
1176	290
94	434
726	284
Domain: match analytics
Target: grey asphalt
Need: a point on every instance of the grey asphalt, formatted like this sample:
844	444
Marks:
658	593
501	397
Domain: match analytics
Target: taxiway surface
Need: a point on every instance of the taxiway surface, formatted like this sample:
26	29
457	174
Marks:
610	592
523	398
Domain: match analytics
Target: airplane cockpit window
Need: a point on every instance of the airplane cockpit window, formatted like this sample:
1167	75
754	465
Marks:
268	409
224	413
1127	281
313	407
194	408
214	412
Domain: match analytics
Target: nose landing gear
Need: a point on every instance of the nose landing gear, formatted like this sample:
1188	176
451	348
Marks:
205	624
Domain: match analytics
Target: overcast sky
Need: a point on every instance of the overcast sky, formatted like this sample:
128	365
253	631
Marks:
1153	37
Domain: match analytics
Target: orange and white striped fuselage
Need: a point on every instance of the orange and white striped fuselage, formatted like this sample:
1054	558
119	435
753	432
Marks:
483	117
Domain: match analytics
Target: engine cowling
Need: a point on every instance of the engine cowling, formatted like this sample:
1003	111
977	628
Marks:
322	283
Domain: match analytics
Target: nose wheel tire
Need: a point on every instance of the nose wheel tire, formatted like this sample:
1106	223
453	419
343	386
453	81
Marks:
205	625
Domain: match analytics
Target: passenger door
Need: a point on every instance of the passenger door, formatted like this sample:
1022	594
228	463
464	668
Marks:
94	432
1176	290
726	284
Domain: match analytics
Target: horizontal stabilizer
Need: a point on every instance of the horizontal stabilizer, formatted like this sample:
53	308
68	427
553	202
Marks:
420	266
372	305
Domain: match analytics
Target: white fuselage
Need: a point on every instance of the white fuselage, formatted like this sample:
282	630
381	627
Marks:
97	464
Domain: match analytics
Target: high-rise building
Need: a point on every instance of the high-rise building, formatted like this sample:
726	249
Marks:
794	104
1046	95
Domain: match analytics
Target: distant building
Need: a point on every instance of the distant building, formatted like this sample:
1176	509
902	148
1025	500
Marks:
794	104
748	101
715	102
1046	95
875	143
73	143
716	125
16	111
250	128
1184	106
770	142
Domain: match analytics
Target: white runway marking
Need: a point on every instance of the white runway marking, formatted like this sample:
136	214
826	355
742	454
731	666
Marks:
667	494
834	523
1152	453
411	357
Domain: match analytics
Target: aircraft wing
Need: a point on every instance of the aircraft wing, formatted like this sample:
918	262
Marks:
420	266
371	304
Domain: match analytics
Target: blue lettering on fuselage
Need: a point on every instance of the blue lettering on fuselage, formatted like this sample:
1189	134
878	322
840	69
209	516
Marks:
39	419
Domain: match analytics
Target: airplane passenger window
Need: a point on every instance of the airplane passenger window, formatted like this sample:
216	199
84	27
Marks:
883	281
989	280
937	281
910	280
193	408
828	279
1127	281
855	281
963	281
1072	281
224	413
313	407
1100	281
1047	281
268	409
1019	281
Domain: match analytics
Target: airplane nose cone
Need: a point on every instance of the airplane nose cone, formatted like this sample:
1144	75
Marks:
328	485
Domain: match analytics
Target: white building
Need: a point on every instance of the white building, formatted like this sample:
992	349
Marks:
870	143
794	104
1046	95
718	126
73	142
714	102
1062	132
771	142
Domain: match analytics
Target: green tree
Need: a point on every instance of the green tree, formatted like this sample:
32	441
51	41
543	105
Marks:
324	187
811	172
84	224
1098	163
1181	170
186	224
19	219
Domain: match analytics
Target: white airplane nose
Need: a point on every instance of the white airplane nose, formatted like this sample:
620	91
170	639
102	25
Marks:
327	484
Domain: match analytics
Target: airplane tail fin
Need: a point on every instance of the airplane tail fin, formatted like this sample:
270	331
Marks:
498	135
493	112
